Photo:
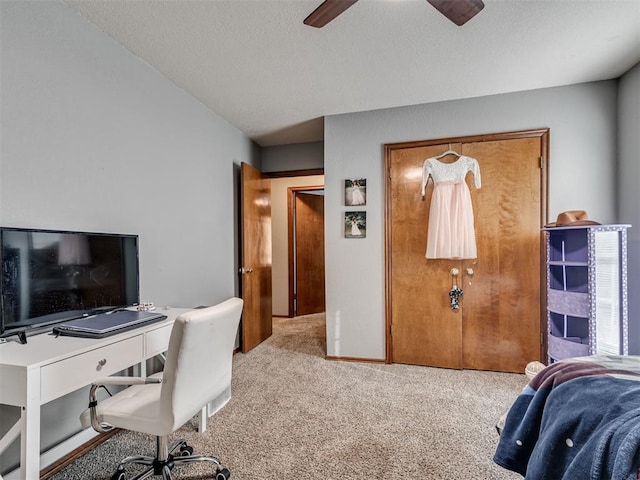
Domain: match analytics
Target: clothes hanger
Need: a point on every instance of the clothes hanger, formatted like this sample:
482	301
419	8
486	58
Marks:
448	152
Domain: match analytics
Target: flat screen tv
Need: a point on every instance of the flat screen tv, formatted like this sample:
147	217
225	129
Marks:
52	276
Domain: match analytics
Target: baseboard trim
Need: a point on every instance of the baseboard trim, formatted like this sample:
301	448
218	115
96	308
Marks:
355	359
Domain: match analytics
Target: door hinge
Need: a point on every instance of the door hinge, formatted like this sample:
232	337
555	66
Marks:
541	162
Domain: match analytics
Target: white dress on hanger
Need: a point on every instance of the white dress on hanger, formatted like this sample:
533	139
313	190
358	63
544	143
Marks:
451	225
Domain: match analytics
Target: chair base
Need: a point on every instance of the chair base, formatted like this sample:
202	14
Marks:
164	462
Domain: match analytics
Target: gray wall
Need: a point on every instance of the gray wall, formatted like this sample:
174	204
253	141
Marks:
583	138
94	139
628	196
297	156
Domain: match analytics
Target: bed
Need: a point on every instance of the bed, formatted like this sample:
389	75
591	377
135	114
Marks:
577	419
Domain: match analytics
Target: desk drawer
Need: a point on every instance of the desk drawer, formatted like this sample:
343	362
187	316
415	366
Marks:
156	341
72	373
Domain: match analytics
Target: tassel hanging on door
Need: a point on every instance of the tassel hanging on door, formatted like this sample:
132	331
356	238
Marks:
456	292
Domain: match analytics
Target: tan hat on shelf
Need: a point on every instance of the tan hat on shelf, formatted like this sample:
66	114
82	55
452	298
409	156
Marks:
572	218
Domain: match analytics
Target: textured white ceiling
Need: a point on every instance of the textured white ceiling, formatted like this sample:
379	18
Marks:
258	66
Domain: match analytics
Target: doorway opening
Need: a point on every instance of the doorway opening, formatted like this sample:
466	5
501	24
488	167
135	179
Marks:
306	250
268	293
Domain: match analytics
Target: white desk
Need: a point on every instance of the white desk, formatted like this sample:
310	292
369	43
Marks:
49	367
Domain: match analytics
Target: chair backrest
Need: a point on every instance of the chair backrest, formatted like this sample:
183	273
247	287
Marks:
198	361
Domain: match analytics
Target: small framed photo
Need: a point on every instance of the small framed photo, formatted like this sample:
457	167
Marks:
355	192
355	224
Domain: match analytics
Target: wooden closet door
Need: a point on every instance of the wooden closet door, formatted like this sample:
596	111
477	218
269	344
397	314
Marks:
498	325
425	331
501	301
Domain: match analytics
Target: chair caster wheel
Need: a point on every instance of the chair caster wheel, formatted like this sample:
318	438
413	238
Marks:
223	474
118	475
186	450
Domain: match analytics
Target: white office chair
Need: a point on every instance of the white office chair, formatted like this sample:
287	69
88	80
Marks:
197	371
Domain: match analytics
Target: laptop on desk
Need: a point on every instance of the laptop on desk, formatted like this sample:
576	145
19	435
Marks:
106	324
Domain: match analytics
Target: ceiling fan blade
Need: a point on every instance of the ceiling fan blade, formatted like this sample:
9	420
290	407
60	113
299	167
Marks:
327	11
458	11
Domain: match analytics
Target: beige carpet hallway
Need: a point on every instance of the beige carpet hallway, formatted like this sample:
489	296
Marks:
296	416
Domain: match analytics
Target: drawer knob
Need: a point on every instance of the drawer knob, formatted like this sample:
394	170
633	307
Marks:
101	363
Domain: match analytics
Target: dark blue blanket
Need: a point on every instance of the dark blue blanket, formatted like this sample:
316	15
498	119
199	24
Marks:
576	420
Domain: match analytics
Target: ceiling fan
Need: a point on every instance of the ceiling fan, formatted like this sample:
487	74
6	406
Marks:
458	11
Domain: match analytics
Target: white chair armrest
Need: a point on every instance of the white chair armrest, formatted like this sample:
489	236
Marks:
126	380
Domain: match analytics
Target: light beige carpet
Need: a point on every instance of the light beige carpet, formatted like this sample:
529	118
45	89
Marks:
296	416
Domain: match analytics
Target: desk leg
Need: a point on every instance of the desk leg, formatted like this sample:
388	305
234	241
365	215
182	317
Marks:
202	420
140	369
30	432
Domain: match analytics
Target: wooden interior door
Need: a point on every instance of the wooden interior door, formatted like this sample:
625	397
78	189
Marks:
499	324
256	257
425	331
309	256
501	300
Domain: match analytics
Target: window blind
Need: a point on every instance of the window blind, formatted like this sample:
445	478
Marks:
607	293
